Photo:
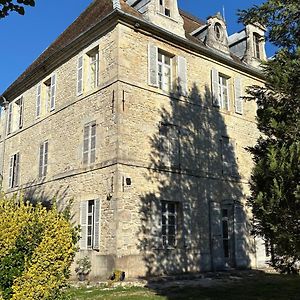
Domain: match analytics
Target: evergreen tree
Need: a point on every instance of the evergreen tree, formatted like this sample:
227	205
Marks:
275	180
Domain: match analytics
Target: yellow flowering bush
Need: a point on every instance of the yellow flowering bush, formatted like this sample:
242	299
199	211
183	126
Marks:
37	247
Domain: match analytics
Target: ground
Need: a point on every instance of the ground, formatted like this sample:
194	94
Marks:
220	286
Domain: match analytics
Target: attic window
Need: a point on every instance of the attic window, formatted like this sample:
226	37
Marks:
165	8
256	45
218	31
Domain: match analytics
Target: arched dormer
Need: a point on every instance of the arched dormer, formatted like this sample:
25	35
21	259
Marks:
214	33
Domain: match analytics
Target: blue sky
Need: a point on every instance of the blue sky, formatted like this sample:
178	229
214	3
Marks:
24	38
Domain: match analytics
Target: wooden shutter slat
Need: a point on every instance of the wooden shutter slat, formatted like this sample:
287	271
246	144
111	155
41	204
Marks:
97	212
238	96
83	224
215	87
182	75
52	92
152	65
80	75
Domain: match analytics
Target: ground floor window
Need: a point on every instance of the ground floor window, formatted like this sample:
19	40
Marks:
169	223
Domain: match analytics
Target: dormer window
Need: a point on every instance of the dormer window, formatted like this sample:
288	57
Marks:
165	8
256	45
218	31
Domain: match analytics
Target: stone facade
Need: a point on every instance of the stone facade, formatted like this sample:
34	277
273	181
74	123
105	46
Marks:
159	154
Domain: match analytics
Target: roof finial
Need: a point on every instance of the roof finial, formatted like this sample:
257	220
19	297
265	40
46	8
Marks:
224	14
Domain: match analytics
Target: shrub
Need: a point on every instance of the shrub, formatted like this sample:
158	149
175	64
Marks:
37	247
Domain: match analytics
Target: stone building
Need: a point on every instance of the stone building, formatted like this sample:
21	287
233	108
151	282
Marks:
136	113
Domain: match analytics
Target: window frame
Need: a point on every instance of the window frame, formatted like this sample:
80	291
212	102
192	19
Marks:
43	158
162	84
88	149
223	88
167	214
256	46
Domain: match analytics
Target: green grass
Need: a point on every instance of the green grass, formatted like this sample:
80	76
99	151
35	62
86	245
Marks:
259	287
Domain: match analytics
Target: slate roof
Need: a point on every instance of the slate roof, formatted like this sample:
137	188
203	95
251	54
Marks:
93	14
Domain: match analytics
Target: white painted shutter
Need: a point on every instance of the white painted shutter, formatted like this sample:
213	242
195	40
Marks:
239	234
11	169
38	100
41	160
80	75
93	144
153	65
86	144
238	96
21	112
97	69
83	224
215	87
17	169
96	241
52	92
182	75
216	236
45	158
9	118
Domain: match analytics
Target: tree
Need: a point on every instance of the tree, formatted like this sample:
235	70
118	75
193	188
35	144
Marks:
37	247
275	180
7	6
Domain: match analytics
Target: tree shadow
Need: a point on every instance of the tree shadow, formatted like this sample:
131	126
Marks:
194	219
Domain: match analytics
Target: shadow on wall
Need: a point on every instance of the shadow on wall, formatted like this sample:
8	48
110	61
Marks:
193	220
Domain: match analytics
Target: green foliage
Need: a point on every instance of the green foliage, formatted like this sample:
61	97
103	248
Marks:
275	181
83	266
37	247
7	6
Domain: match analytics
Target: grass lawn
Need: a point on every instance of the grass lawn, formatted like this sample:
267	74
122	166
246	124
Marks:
259	287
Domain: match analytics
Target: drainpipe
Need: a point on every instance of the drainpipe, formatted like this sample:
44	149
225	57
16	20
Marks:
5	103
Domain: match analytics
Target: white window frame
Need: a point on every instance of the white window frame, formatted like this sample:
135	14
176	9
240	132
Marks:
162	84
88	157
90	219
163	9
223	89
93	57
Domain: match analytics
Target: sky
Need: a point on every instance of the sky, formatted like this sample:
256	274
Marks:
24	38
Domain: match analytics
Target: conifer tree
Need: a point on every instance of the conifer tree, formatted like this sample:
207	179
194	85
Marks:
275	180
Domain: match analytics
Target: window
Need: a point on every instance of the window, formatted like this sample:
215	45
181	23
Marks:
90	221
169	145
256	45
88	64
220	90
165	69
165	8
14	163
89	143
43	159
169	220
45	96
229	165
218	31
15	115
239	101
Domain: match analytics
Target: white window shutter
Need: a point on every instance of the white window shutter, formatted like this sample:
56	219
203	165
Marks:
9	118
215	87
41	160
45	158
11	169
97	68
86	144
182	75
38	100
83	224
97	211
52	92
80	75
152	65
17	170
238	96
93	143
21	113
